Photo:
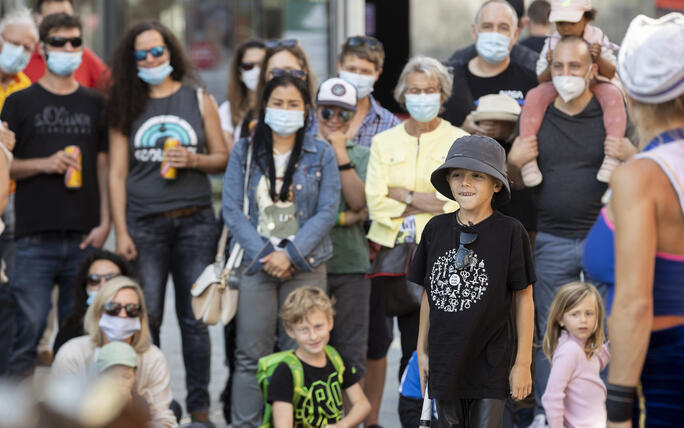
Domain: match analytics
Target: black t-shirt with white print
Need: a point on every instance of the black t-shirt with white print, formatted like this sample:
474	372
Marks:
470	342
326	405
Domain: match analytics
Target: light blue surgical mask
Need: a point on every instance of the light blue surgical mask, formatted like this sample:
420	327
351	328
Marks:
364	83
91	296
63	63
492	46
155	75
13	58
423	107
284	122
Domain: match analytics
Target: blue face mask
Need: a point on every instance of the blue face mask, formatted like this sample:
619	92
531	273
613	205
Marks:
155	75
284	122
13	58
423	107
492	46
63	63
91	296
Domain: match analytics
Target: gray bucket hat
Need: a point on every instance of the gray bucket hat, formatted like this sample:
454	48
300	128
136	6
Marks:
476	153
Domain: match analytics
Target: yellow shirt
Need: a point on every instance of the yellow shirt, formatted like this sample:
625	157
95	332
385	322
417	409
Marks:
19	81
398	159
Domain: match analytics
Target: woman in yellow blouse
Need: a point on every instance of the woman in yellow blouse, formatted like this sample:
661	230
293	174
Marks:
399	194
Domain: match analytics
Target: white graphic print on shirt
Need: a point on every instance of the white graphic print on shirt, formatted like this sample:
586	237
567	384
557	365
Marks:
455	290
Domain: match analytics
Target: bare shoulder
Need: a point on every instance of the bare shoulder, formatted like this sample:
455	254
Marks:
639	177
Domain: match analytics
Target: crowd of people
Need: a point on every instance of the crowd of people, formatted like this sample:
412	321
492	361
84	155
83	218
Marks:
523	222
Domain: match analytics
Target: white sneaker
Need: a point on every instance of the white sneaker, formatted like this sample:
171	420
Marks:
539	421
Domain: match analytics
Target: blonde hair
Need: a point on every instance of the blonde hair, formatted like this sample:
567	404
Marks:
567	297
652	119
141	340
300	303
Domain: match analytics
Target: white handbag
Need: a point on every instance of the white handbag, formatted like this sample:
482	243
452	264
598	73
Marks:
215	292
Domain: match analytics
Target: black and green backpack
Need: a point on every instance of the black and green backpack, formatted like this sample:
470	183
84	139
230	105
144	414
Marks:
269	363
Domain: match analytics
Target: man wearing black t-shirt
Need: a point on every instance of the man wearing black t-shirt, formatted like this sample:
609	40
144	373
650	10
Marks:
55	225
494	65
569	152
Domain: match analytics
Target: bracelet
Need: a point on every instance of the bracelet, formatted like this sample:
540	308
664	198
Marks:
343	219
619	402
197	159
345	166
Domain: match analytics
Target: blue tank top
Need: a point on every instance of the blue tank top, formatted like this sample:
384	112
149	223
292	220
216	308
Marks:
668	276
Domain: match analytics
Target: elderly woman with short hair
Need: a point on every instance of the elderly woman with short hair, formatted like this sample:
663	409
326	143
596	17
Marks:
401	198
118	313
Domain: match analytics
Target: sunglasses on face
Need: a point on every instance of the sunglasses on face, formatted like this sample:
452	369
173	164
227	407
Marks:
59	42
141	54
371	42
288	43
329	114
114	308
279	72
246	66
463	255
96	278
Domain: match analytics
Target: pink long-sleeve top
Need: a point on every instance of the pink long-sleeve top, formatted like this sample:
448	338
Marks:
575	395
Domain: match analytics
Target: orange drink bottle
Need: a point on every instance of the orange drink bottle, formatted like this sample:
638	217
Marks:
168	172
73	178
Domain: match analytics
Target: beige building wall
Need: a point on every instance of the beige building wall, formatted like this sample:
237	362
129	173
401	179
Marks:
439	27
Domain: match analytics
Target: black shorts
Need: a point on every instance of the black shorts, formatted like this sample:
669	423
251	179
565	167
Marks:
380	326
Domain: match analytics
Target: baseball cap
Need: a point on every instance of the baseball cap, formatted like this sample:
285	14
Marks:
651	58
568	10
337	92
116	353
496	107
476	153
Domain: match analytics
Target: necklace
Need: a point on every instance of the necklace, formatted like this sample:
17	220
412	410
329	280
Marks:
458	220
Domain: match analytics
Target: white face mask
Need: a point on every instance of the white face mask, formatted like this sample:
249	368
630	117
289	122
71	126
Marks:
117	328
251	78
363	83
570	87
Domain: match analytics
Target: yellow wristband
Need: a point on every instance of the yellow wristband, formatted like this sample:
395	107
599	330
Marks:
343	216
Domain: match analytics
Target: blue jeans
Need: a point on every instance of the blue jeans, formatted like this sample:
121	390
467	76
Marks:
41	261
183	247
558	261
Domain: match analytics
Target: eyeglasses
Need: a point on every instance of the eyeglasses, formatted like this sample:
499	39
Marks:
246	66
141	54
132	309
59	42
329	114
371	42
417	91
275	43
279	72
463	254
96	278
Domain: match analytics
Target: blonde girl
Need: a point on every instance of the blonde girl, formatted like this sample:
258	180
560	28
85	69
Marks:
574	343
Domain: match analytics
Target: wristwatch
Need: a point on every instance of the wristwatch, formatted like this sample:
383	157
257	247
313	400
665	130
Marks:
409	197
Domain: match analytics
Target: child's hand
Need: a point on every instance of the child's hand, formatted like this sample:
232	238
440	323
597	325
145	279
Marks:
549	55
595	51
423	370
523	150
521	381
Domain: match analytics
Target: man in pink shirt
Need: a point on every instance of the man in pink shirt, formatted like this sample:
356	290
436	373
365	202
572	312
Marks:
93	73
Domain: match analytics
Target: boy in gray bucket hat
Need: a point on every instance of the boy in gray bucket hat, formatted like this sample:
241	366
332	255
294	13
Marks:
475	264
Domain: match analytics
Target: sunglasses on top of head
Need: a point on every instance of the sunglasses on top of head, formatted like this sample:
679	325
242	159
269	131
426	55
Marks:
275	43
132	309
60	42
141	54
279	72
371	42
329	114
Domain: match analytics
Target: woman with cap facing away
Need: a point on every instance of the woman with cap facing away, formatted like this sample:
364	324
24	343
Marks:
636	244
474	264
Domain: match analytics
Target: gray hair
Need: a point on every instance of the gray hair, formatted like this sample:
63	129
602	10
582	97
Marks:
19	17
514	14
430	67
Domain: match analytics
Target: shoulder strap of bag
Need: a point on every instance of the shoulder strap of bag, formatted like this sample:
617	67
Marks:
200	101
337	362
236	254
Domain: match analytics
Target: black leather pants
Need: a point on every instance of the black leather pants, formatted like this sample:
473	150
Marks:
470	413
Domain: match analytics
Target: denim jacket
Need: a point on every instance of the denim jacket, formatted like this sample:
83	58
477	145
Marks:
316	183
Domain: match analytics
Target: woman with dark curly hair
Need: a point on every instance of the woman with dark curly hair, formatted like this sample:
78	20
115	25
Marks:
99	267
164	140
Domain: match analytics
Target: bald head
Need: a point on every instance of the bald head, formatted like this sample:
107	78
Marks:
576	46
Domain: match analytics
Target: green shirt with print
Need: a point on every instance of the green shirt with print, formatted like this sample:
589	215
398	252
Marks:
350	248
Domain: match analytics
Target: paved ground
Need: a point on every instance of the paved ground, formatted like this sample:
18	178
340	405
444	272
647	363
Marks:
171	345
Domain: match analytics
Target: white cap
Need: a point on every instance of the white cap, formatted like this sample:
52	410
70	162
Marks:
496	107
651	58
568	10
337	92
